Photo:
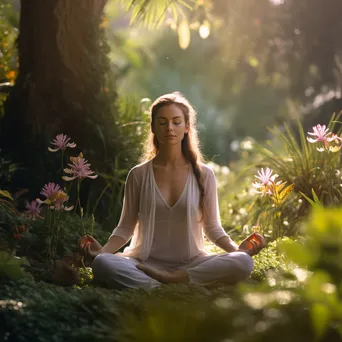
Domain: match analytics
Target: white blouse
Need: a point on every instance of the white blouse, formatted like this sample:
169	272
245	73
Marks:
169	234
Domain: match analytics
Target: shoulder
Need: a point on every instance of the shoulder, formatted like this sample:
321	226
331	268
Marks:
138	171
208	175
207	171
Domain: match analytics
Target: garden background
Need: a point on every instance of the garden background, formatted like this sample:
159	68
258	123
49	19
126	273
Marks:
76	81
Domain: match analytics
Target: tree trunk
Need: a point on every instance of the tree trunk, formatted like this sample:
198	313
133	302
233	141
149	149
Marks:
60	84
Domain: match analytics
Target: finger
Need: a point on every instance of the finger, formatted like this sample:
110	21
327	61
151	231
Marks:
255	246
91	238
86	249
90	253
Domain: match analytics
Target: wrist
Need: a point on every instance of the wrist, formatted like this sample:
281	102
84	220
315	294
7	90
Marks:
244	250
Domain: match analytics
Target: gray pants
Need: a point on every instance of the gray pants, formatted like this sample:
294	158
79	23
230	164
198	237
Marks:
117	271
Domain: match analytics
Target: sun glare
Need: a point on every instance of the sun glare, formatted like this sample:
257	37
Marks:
277	2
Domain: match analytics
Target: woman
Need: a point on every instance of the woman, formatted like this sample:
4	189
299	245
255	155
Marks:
170	200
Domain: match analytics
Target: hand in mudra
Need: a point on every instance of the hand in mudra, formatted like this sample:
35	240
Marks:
89	246
253	244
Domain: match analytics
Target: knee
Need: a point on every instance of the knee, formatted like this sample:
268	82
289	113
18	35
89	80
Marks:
100	264
245	264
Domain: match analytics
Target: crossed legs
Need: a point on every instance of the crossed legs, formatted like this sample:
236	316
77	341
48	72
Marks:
120	272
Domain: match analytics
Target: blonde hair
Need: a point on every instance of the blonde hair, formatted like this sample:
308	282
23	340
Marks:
190	143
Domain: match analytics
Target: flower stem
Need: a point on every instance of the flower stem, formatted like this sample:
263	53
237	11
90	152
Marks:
79	203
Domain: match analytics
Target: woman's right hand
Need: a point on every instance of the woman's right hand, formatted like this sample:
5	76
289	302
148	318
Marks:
89	246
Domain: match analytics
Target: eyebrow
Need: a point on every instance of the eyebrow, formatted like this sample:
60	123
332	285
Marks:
175	117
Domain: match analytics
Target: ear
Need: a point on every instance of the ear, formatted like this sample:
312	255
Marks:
187	129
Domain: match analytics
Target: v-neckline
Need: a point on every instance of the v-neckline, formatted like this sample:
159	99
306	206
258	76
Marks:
160	193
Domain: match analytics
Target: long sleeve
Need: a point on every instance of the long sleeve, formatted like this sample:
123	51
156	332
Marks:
211	215
130	208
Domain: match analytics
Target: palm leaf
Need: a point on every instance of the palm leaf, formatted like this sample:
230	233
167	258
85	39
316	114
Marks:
151	13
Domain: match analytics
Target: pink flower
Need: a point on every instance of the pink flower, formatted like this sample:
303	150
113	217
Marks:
331	142
50	190
265	177
79	168
61	142
267	181
33	209
335	138
54	197
58	201
320	132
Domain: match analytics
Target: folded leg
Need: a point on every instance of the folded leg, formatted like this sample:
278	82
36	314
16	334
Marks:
227	268
119	272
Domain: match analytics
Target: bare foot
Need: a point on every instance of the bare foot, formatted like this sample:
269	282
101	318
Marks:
164	276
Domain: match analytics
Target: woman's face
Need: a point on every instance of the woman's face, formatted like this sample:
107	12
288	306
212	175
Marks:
169	125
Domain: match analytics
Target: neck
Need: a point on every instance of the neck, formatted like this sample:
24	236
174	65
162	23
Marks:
170	156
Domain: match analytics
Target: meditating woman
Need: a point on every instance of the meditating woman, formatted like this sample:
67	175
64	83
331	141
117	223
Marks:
170	200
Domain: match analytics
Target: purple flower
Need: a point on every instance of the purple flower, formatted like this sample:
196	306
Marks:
79	168
33	209
61	142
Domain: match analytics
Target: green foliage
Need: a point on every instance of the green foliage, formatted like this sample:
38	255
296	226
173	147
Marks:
6	201
11	267
269	259
47	310
314	176
237	196
132	123
36	311
8	35
321	253
302	165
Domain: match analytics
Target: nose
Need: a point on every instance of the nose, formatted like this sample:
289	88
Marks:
170	126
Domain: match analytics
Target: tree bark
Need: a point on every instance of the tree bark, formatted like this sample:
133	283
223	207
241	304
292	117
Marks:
60	84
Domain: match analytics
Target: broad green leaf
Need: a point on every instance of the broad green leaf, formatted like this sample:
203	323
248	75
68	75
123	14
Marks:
320	289
4	256
13	271
320	316
296	252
